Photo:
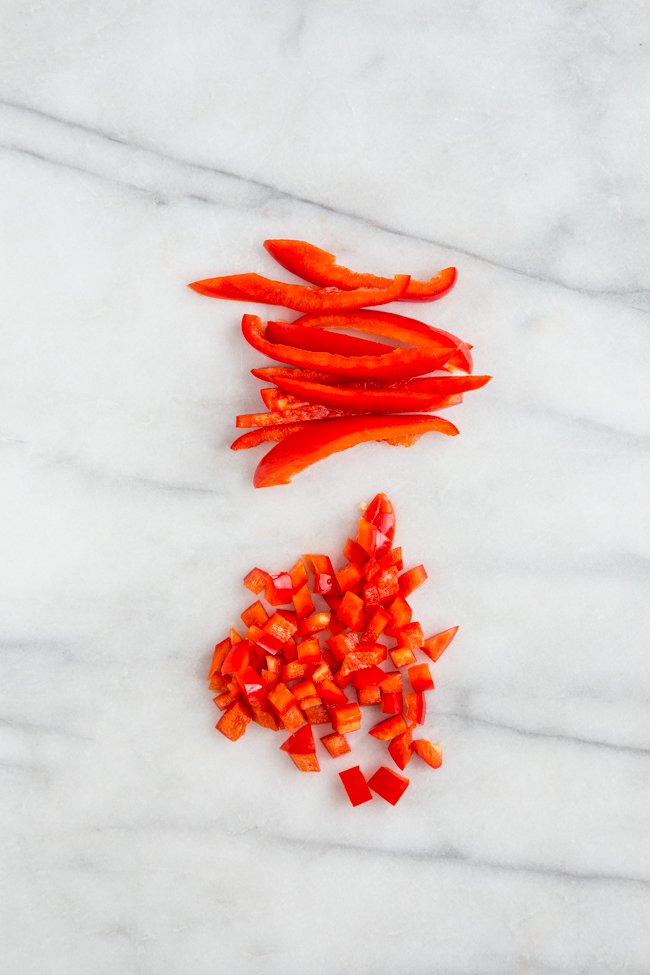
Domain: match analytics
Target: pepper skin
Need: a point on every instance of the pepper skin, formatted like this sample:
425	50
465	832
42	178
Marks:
254	287
263	434
318	340
326	437
318	266
398	364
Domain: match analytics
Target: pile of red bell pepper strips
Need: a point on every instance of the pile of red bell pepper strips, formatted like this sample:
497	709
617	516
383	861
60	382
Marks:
281	677
343	390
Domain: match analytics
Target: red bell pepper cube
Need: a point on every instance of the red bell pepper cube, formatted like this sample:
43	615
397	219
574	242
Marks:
255	614
265	640
274	664
342	644
371	569
255	580
392	702
368	695
220	653
431	754
233	722
264	718
410	580
400	612
402	656
354	553
390	728
297	671
416	707
270	679
292	718
237	658
346	718
436	645
355	785
388	784
290	651
306	694
420	678
309	651
303	603
376	626
298	575
224	700
351	612
234	636
253	687
369	677
401	748
315	623
333	602
300	743
336	744
332	694
366	655
381	513
324	578
383	587
281	698
218	682
306	763
371	540
394	558
392	682
343	679
282	625
349	576
322	673
278	590
410	635
316	714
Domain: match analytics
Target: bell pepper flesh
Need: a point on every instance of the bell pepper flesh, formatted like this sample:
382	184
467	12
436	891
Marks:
255	580
388	784
400	748
311	263
416	707
392	702
301	742
355	785
319	340
431	754
336	744
233	722
436	645
368	695
420	678
411	580
327	437
402	656
265	434
254	287
390	728
306	763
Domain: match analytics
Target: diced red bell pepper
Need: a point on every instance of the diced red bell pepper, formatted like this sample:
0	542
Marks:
264	718
365	656
349	576
369	677
315	623
298	575
372	540
376	626
234	636
388	784
300	743
392	682
237	658
416	707
254	287
336	744
255	580
224	700
270	679
336	626
400	612
354	553
278	590
431	754
436	645
306	763
394	557
332	694
402	656
297	670
218	682
368	695
292	718
253	687
220	653
233	722
392	702
306	693
322	673
383	587
255	614
309	651
401	748
303	603
342	644
420	678
410	635
351	612
290	651
355	785
318	266
326	437
333	602
281	625
411	580
371	568
316	713
281	698
346	718
381	513
390	728
324	578
266	641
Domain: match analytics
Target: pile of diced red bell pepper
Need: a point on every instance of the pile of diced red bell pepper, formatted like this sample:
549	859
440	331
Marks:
343	390
280	676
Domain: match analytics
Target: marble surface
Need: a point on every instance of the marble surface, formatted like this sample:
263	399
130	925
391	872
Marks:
148	143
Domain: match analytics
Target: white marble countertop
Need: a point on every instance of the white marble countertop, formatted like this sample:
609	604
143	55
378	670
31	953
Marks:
147	144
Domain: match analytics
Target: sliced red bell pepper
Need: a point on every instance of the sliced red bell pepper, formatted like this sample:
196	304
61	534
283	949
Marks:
276	399
278	590
401	363
414	395
254	287
408	330
416	707
327	437
390	728
320	340
320	267
253	687
306	763
376	626
388	784
420	678
255	580
322	569
431	754
265	434
411	580
255	614
233	722
346	717
400	748
271	374
221	651
369	677
336	744
351	612
300	743
300	414
392	702
355	785
402	656
303	603
436	645
368	695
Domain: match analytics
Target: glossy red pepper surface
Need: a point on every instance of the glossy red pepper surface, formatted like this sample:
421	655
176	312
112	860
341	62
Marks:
355	785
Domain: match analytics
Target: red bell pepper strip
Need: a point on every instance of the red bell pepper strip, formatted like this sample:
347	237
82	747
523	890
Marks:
320	267
410	580
388	784
355	785
319	340
271	374
320	440
275	399
254	287
415	394
398	364
264	434
298	414
408	330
